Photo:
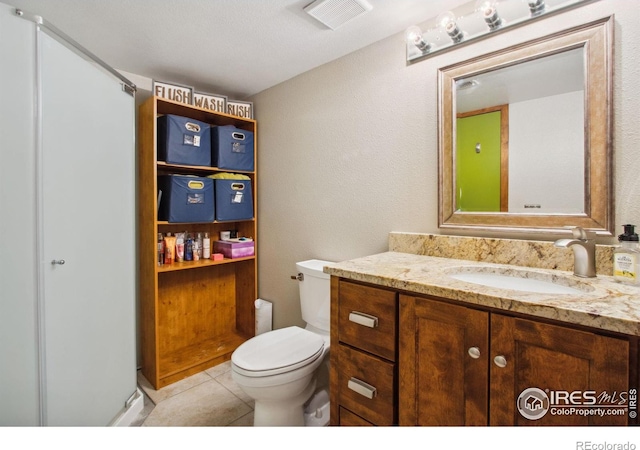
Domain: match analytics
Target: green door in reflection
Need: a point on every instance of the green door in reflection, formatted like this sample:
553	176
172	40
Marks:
478	163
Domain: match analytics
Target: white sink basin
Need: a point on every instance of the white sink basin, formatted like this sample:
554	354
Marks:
522	281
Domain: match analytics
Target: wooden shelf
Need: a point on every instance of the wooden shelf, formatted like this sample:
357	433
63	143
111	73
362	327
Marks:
164	222
191	320
199	264
193	358
182	167
204	115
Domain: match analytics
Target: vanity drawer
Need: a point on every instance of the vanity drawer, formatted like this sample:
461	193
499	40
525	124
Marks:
366	386
349	419
367	319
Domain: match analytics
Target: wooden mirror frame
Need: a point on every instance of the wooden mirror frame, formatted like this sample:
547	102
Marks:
596	40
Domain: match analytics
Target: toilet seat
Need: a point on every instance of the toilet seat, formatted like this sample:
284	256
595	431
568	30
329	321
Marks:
276	352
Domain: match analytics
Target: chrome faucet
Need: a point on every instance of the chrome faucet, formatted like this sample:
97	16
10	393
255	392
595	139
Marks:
584	251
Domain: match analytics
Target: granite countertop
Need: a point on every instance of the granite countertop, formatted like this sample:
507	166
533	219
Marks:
602	303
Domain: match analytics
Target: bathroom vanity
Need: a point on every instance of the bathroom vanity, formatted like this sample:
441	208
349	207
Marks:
413	343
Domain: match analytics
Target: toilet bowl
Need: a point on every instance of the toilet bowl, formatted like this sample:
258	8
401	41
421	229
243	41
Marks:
279	369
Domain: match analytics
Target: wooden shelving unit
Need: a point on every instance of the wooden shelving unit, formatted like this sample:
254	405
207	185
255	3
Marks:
193	314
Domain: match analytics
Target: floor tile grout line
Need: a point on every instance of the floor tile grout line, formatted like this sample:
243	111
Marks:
209	377
233	393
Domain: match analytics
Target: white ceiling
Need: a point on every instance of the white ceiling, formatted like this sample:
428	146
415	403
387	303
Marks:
230	47
556	74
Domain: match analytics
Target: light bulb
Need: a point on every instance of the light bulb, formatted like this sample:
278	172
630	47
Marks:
486	7
413	35
489	12
447	20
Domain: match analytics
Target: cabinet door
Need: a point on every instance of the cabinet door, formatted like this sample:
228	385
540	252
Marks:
443	363
555	360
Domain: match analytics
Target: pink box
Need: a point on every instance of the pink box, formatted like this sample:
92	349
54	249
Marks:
234	249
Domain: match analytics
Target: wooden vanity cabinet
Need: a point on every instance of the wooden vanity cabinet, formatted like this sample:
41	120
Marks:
363	366
415	360
464	366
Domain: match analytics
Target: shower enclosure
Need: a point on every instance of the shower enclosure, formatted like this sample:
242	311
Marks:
67	232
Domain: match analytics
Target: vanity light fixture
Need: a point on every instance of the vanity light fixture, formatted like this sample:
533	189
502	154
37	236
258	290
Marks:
489	12
447	20
475	20
413	36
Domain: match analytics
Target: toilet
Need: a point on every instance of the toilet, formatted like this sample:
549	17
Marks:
286	370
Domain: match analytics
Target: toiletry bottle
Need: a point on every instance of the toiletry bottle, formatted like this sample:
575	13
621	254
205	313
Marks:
199	244
197	248
626	257
160	249
179	257
206	246
188	247
169	248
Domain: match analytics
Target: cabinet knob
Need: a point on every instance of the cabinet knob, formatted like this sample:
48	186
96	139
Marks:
500	361
474	352
59	262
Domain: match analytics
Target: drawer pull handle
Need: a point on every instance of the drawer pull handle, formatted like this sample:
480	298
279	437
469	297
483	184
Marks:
362	388
363	319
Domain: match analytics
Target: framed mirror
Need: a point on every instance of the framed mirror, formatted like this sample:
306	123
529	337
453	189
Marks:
525	136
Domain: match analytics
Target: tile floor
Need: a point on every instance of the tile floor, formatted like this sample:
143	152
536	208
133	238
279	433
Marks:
209	398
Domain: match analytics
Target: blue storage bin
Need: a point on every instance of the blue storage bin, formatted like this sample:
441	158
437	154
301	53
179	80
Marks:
182	140
234	199
186	199
232	148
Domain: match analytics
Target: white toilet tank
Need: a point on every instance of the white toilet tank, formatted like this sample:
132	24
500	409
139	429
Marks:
315	293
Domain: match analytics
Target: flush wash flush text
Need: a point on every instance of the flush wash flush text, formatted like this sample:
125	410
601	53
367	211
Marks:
239	109
175	93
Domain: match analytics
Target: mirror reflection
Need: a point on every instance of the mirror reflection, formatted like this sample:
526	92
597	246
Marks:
525	135
520	137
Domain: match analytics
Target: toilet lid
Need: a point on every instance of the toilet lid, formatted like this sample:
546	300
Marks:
278	351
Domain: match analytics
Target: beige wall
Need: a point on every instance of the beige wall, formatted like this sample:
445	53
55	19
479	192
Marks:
348	151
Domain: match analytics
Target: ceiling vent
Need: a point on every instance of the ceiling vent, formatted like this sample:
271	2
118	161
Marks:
334	13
